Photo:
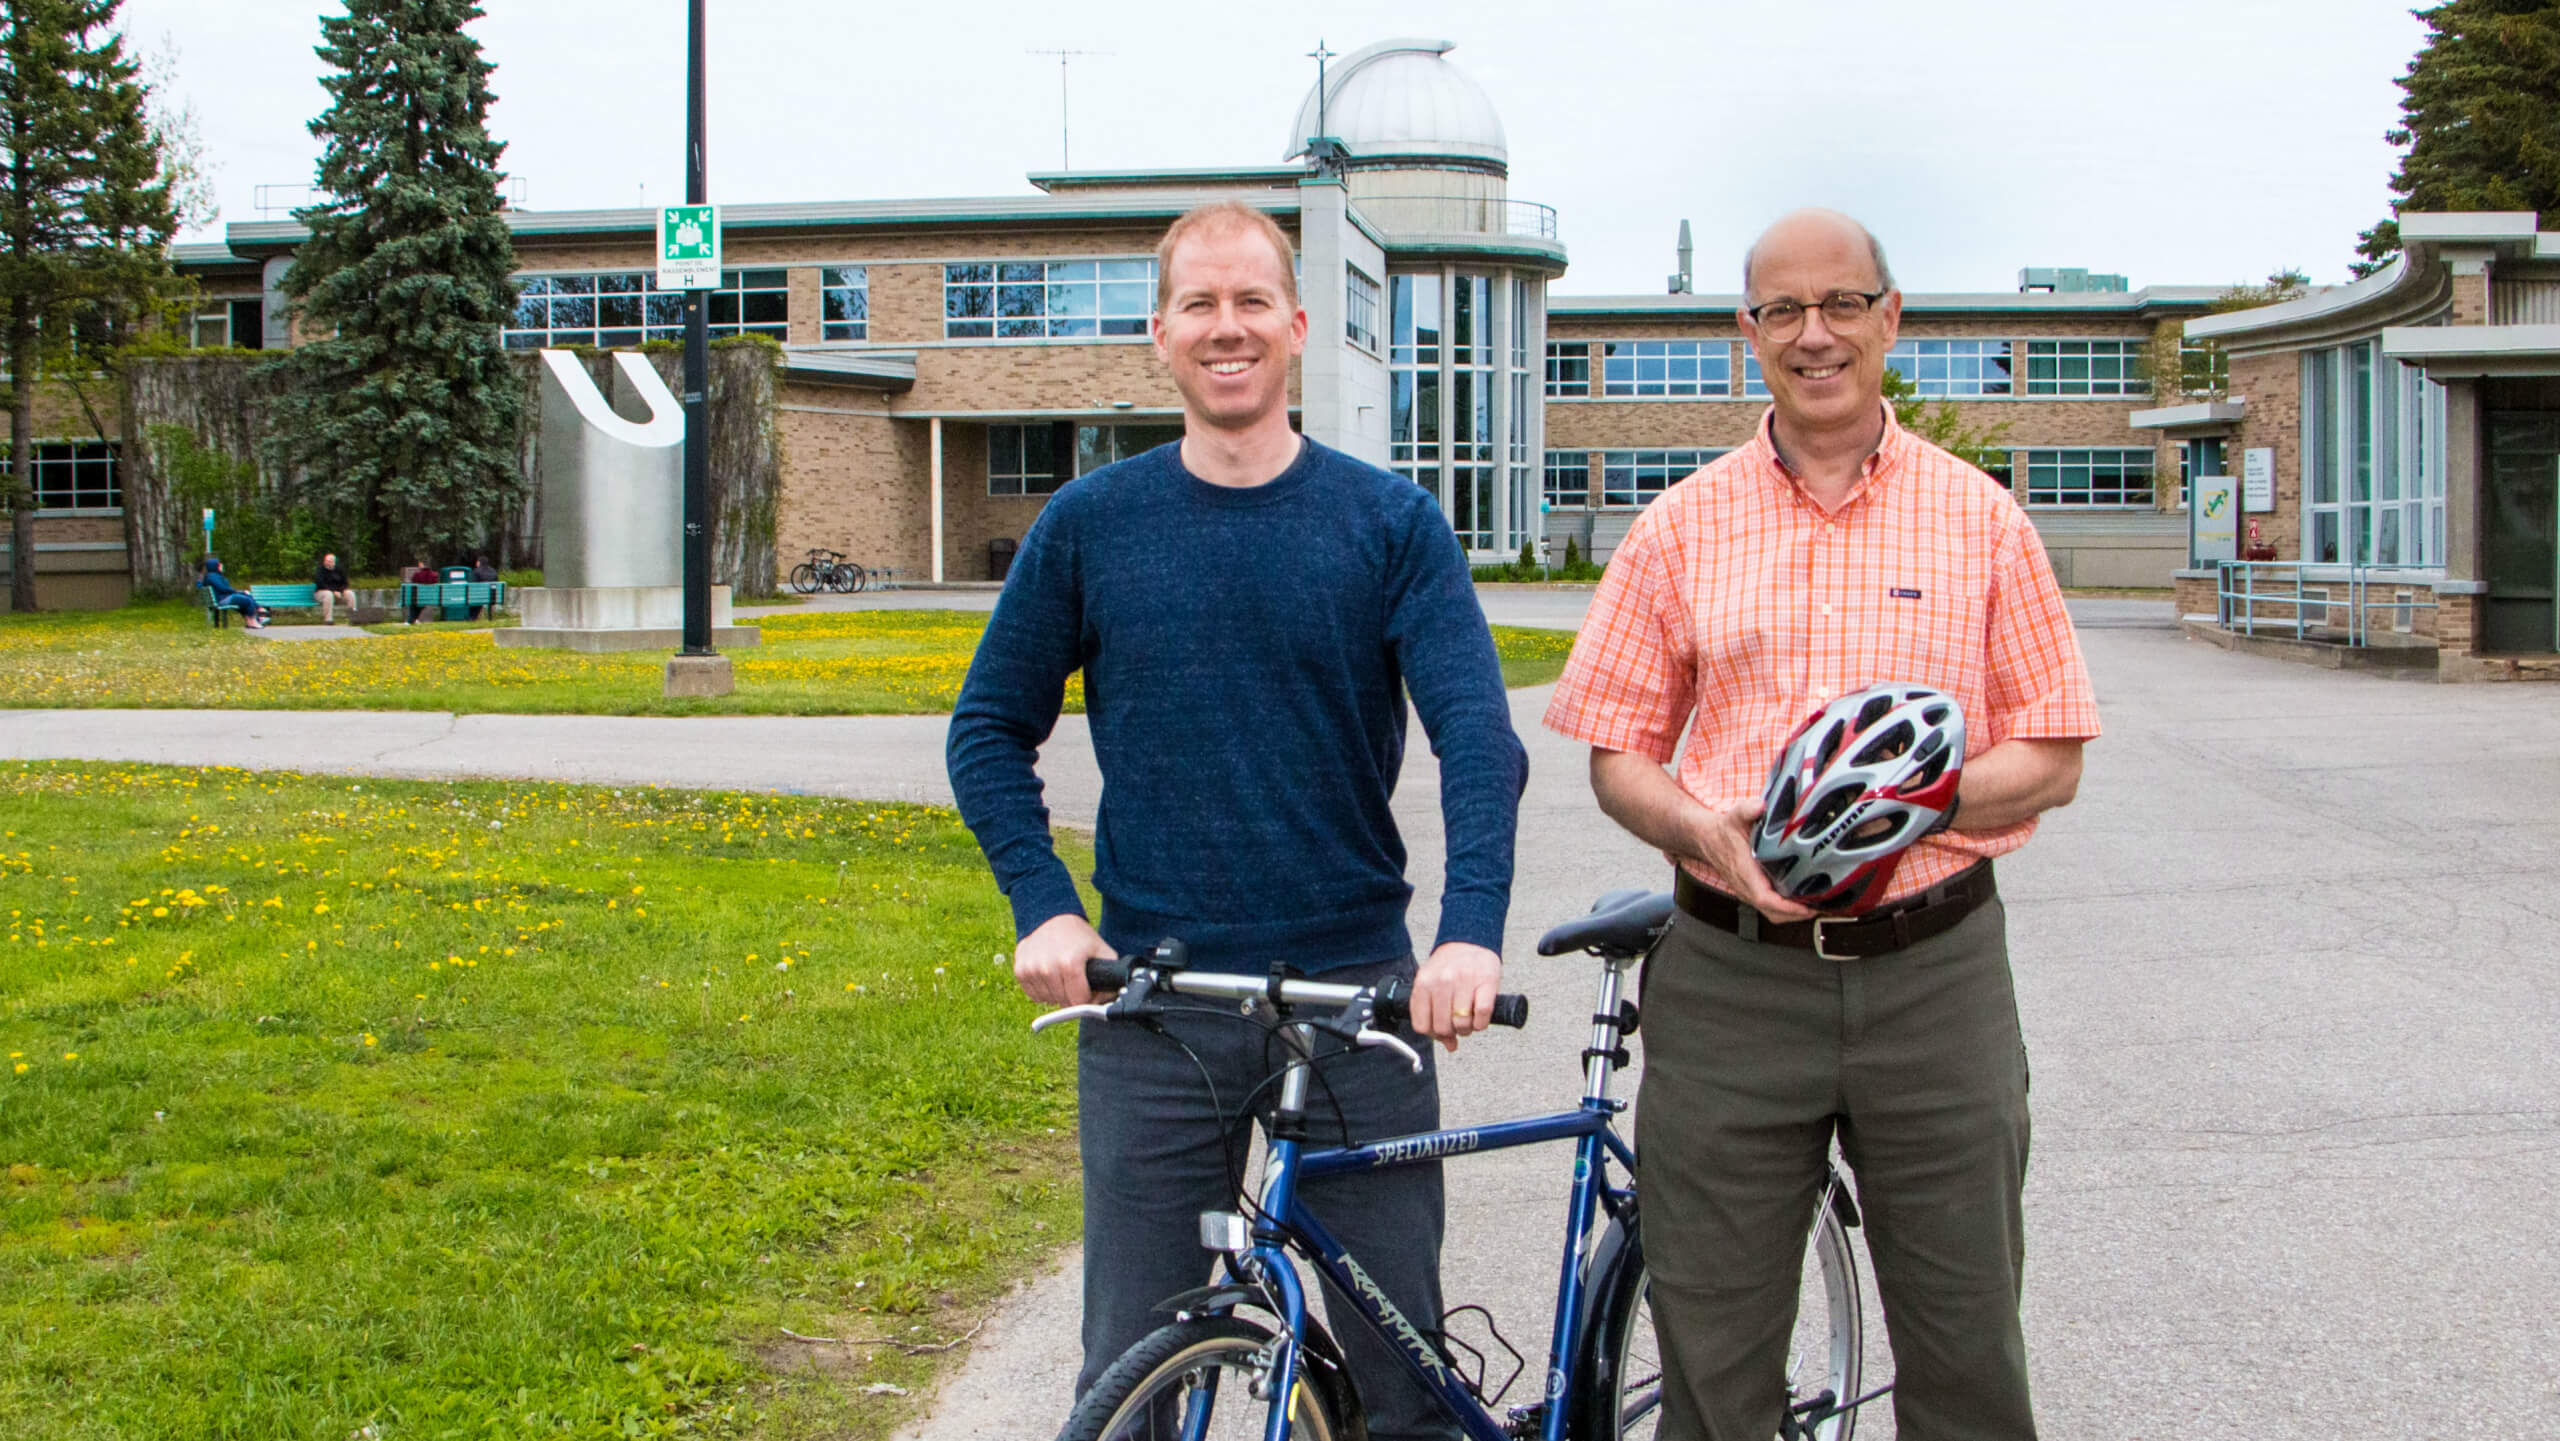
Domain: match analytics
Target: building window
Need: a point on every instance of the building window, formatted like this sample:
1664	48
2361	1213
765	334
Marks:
2202	368
2087	367
1038	458
1413	378
2373	460
1754	386
622	308
1631	478
75	474
1568	369
1359	309
1943	368
2095	476
1047	299
1666	368
1568	478
844	302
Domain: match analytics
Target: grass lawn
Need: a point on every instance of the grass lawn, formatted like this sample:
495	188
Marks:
822	663
486	1109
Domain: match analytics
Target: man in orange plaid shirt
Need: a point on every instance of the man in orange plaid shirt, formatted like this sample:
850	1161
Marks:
1833	552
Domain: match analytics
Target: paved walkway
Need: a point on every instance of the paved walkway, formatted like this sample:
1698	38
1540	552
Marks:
2287	970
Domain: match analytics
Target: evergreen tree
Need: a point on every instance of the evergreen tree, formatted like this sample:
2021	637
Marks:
2480	117
401	407
85	217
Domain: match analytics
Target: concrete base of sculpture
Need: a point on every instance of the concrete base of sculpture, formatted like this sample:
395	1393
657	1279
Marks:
600	618
697	675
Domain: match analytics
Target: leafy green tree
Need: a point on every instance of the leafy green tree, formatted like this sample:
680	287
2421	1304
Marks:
400	412
2479	117
1945	427
85	218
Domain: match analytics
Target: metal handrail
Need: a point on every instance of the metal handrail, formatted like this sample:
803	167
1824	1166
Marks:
1457	215
2236	607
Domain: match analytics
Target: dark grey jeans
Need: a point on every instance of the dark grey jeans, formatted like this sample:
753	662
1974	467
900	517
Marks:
1153	1162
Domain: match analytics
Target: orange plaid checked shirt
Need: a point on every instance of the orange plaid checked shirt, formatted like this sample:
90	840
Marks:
1735	599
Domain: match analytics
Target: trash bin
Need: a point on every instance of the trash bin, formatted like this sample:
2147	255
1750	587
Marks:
1000	556
457	575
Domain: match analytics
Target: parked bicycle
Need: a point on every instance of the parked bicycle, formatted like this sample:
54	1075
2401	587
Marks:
827	570
1282	1374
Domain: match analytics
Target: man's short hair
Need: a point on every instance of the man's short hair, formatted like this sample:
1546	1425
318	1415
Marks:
1875	248
1225	215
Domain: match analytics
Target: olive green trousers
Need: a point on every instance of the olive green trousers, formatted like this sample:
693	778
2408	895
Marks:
1756	1057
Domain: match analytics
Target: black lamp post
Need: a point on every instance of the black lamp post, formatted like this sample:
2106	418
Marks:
697	366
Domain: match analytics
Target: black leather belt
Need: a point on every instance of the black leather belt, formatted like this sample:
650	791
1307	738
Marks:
1933	912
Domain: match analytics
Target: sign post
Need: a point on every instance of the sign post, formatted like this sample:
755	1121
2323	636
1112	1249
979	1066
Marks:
689	260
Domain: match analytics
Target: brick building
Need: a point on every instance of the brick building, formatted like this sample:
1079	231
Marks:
947	364
2410	426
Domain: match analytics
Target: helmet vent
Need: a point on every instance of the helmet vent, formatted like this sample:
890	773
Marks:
1869	834
1874	710
1784	808
1828	807
1888	746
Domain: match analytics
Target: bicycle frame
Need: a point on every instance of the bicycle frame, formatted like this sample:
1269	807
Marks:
1285	1224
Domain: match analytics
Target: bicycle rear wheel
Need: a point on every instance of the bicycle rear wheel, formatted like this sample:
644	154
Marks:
1197	1378
804	578
849	578
1623	1368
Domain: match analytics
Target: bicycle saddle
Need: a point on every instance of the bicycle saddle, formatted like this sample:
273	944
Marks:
1621	923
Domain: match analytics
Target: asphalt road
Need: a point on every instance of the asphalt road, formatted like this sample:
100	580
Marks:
2287	971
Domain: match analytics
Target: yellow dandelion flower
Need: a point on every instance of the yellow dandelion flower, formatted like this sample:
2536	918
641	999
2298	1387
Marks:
320	908
71	1055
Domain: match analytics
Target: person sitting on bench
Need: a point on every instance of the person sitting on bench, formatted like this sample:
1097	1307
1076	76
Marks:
330	587
421	574
253	616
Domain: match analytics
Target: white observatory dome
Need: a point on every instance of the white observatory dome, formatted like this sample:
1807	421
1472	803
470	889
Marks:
1402	99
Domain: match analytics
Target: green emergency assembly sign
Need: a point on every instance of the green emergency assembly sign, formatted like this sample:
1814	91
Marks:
689	247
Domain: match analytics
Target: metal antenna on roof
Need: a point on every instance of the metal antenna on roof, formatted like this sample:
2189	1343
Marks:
1320	54
1063	57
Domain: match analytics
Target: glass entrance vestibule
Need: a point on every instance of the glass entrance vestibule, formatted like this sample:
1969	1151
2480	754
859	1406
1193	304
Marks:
1463	416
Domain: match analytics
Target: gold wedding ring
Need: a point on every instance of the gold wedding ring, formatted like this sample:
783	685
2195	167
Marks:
1462	1013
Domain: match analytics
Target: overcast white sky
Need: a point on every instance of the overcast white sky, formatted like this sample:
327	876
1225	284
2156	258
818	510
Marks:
2176	141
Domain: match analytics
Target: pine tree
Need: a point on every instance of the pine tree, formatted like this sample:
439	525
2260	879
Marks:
85	217
401	409
2480	117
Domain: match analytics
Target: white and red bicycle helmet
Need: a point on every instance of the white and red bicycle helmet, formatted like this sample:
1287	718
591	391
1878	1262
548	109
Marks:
1859	782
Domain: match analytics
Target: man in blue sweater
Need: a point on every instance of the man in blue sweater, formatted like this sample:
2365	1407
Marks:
1250	610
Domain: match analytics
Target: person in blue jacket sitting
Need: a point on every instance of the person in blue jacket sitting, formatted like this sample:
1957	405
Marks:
253	616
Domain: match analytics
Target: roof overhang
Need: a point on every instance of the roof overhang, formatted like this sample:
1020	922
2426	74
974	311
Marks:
260	239
2148	302
882	370
2466	352
1268	176
2198	415
2415	288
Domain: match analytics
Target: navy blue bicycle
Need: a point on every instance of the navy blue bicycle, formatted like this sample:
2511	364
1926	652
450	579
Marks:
1282	1376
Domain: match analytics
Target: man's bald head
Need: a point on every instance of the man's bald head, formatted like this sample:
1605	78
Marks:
1816	226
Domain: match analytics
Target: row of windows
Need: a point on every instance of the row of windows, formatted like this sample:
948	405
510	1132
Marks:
1037	459
74	474
1628	478
2373	460
625	307
1643	369
2077	476
1041	299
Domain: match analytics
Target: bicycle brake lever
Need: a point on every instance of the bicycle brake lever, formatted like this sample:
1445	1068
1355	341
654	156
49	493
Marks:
1072	1013
1367	1037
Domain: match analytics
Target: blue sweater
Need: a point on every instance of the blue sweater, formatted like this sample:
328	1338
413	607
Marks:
1246	656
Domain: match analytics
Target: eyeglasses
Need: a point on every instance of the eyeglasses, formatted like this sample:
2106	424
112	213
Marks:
1841	310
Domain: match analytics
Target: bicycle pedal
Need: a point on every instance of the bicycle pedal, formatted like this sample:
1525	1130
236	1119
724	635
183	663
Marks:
1525	1421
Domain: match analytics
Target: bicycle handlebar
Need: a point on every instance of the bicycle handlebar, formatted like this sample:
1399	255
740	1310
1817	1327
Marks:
1392	999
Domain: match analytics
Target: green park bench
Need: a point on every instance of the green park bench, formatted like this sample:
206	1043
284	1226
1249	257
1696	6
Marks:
272	597
453	599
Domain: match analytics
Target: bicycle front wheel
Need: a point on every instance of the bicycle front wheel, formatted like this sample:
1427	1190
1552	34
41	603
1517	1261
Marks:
1623	1370
804	578
848	578
1202	1380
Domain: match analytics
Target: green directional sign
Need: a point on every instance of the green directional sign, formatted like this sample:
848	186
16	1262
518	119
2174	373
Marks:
689	247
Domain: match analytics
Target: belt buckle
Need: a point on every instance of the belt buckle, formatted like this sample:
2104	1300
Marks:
1819	948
